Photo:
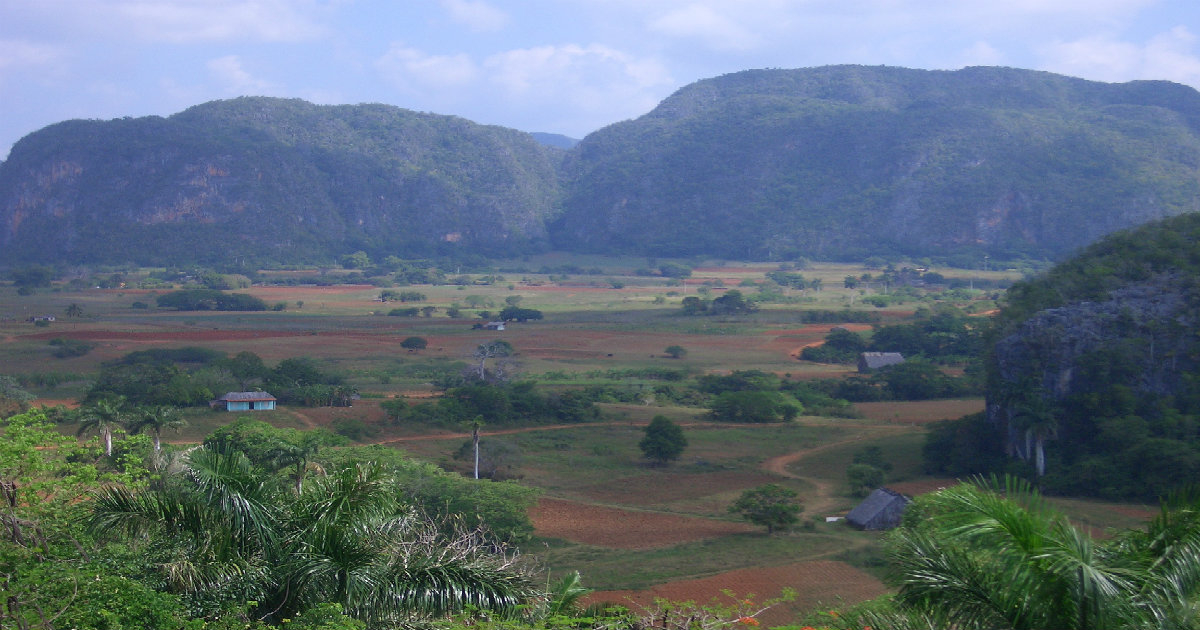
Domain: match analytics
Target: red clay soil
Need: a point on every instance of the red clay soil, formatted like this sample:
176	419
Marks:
623	529
920	411
817	584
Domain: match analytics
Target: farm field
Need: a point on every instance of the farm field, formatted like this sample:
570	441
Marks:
634	531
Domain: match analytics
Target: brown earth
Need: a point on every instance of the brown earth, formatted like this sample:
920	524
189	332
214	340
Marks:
623	529
817	584
920	411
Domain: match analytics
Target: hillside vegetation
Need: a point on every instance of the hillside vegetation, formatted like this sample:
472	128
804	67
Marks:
1092	370
838	162
272	180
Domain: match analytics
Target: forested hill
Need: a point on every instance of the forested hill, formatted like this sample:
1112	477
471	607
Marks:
1094	370
833	162
852	161
272	180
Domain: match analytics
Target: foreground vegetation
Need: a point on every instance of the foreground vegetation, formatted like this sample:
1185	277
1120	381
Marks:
282	520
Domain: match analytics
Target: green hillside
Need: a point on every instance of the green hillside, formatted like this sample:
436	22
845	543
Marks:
1094	371
847	162
272	180
838	162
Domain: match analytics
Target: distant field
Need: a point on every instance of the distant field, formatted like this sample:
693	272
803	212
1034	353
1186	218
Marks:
657	531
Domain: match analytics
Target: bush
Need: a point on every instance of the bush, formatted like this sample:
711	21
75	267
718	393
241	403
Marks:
66	348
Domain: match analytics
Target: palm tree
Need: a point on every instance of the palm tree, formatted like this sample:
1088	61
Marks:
103	416
993	555
297	455
156	419
1040	422
346	538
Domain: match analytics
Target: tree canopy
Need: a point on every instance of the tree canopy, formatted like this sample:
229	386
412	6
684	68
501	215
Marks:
663	441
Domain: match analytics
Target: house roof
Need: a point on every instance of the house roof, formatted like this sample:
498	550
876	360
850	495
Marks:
875	505
875	360
246	396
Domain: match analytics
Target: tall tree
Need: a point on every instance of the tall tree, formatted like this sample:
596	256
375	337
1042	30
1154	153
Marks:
347	538
663	442
103	416
771	506
156	419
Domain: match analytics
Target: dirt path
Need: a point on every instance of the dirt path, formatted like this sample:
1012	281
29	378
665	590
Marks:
824	498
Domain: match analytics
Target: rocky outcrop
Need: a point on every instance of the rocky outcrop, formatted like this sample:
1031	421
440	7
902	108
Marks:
1141	338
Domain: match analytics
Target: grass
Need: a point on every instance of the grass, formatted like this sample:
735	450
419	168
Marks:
591	333
613	569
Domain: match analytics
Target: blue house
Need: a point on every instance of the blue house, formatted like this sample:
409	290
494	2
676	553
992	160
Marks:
247	401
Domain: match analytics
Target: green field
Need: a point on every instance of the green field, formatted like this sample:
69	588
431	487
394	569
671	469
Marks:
592	333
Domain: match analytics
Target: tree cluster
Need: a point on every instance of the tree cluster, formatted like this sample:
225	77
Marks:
209	300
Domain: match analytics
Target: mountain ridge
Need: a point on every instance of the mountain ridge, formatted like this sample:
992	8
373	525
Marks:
829	162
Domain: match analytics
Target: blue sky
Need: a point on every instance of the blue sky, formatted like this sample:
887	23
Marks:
564	66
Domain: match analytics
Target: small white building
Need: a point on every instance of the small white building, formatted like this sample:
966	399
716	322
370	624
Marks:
246	401
869	361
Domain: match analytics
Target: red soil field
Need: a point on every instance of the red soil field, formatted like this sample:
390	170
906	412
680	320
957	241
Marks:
623	529
817	584
673	486
921	411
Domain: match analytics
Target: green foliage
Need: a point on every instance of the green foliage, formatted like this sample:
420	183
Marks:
676	352
441	174
752	407
867	472
13	397
499	404
263	444
946	333
32	276
674	270
994	555
663	442
514	313
67	348
771	506
1116	320
414	343
841	346
864	478
732	303
209	300
346	538
824	143
500	507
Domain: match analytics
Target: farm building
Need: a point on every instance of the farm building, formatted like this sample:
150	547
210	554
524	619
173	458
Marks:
868	361
246	401
881	510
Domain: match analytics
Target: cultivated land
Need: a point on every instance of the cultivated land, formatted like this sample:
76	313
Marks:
635	532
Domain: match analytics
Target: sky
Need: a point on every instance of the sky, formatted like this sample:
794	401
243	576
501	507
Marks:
560	66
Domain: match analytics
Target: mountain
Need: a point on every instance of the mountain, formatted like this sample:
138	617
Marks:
849	161
1096	364
272	180
836	162
556	140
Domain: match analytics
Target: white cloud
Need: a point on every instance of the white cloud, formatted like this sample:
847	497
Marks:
234	79
182	21
24	54
706	24
477	15
573	87
981	53
571	67
409	68
1171	55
